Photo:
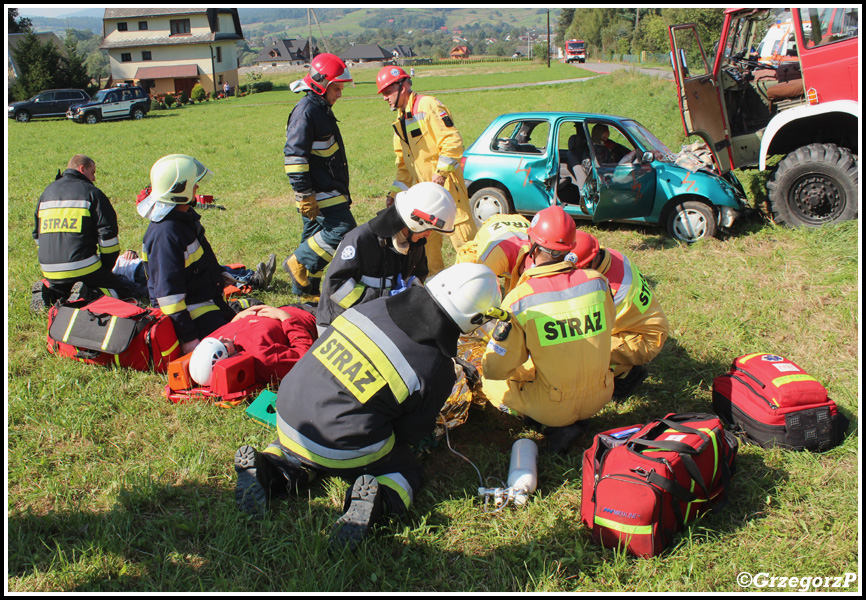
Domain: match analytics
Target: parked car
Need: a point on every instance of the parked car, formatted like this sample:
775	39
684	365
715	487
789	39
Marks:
524	162
122	102
50	103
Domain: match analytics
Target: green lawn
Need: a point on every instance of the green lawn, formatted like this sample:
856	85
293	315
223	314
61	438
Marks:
113	488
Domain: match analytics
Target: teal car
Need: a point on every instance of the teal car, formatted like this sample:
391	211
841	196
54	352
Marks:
598	167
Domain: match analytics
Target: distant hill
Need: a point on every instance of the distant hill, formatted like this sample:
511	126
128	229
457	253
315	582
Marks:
60	25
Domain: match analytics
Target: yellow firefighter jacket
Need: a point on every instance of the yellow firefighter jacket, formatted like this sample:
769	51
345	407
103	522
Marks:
553	362
502	245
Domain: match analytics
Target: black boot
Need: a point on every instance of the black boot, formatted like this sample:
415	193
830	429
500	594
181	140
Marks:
623	387
364	507
560	438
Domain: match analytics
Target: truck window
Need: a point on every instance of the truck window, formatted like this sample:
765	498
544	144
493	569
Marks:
823	26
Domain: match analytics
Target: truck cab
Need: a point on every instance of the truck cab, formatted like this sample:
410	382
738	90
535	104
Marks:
805	108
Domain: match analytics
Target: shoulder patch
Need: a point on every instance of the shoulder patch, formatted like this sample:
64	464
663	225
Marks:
500	333
348	253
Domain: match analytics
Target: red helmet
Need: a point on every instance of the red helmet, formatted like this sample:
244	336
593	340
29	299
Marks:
389	75
586	248
552	229
324	70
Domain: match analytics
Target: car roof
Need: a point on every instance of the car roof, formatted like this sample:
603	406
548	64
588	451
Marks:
561	114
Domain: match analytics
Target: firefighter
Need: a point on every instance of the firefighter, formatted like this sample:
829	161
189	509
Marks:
428	148
551	361
77	238
641	327
315	162
386	253
503	245
368	390
184	278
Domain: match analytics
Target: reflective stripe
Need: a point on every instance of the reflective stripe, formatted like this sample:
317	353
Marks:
780	381
446	164
73	269
751	356
380	283
49	204
170	350
382	352
399	186
625	285
200	308
110	242
622	528
296	160
326	148
399	484
348	294
537	299
108	332
331	457
497	239
192	253
318	245
297	168
326	199
69	327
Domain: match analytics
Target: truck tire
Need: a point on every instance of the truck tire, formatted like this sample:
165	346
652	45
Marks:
814	185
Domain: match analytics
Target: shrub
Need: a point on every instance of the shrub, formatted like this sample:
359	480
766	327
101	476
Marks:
184	99
198	94
169	100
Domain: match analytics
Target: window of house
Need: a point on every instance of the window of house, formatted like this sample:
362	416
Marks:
179	26
219	54
122	27
126	57
145	55
142	25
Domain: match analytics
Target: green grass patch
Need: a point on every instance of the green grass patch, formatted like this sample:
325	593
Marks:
112	488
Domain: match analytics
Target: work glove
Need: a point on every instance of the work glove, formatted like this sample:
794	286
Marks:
424	446
402	285
470	371
389	199
308	206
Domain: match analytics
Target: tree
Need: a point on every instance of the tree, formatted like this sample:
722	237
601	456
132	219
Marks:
37	64
566	16
73	71
19	25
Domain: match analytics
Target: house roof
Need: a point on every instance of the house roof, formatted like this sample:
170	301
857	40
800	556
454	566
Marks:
125	13
168	71
366	52
286	50
402	51
126	41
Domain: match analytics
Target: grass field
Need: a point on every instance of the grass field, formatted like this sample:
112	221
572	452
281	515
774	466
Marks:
113	488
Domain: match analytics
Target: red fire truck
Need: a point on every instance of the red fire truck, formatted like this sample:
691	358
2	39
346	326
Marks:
805	110
575	50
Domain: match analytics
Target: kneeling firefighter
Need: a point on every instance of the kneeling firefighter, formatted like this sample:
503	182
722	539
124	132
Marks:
369	389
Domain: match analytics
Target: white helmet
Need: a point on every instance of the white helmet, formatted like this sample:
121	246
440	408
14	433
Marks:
465	291
426	205
204	357
173	178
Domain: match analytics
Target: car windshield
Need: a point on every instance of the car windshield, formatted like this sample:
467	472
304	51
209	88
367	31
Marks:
648	141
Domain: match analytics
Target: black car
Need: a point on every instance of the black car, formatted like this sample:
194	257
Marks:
122	102
50	103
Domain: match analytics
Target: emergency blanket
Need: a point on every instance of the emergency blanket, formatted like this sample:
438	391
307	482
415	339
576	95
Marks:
455	411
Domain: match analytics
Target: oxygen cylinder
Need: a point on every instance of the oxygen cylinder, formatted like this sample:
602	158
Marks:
523	471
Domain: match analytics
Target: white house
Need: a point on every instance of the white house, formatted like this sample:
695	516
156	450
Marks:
172	49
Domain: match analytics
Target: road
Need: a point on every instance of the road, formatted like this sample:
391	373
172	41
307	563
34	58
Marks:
605	68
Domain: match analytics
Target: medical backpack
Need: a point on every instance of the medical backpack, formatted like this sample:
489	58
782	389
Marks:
108	331
644	483
770	401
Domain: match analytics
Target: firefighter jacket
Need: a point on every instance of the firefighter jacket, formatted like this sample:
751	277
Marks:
641	327
377	377
502	245
315	157
184	278
76	229
366	266
276	346
426	142
552	360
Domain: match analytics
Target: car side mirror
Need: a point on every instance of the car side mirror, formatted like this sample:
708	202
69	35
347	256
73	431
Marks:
647	158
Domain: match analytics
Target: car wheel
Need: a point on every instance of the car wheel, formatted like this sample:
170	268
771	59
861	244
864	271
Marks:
137	114
22	116
691	221
813	185
91	118
489	201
